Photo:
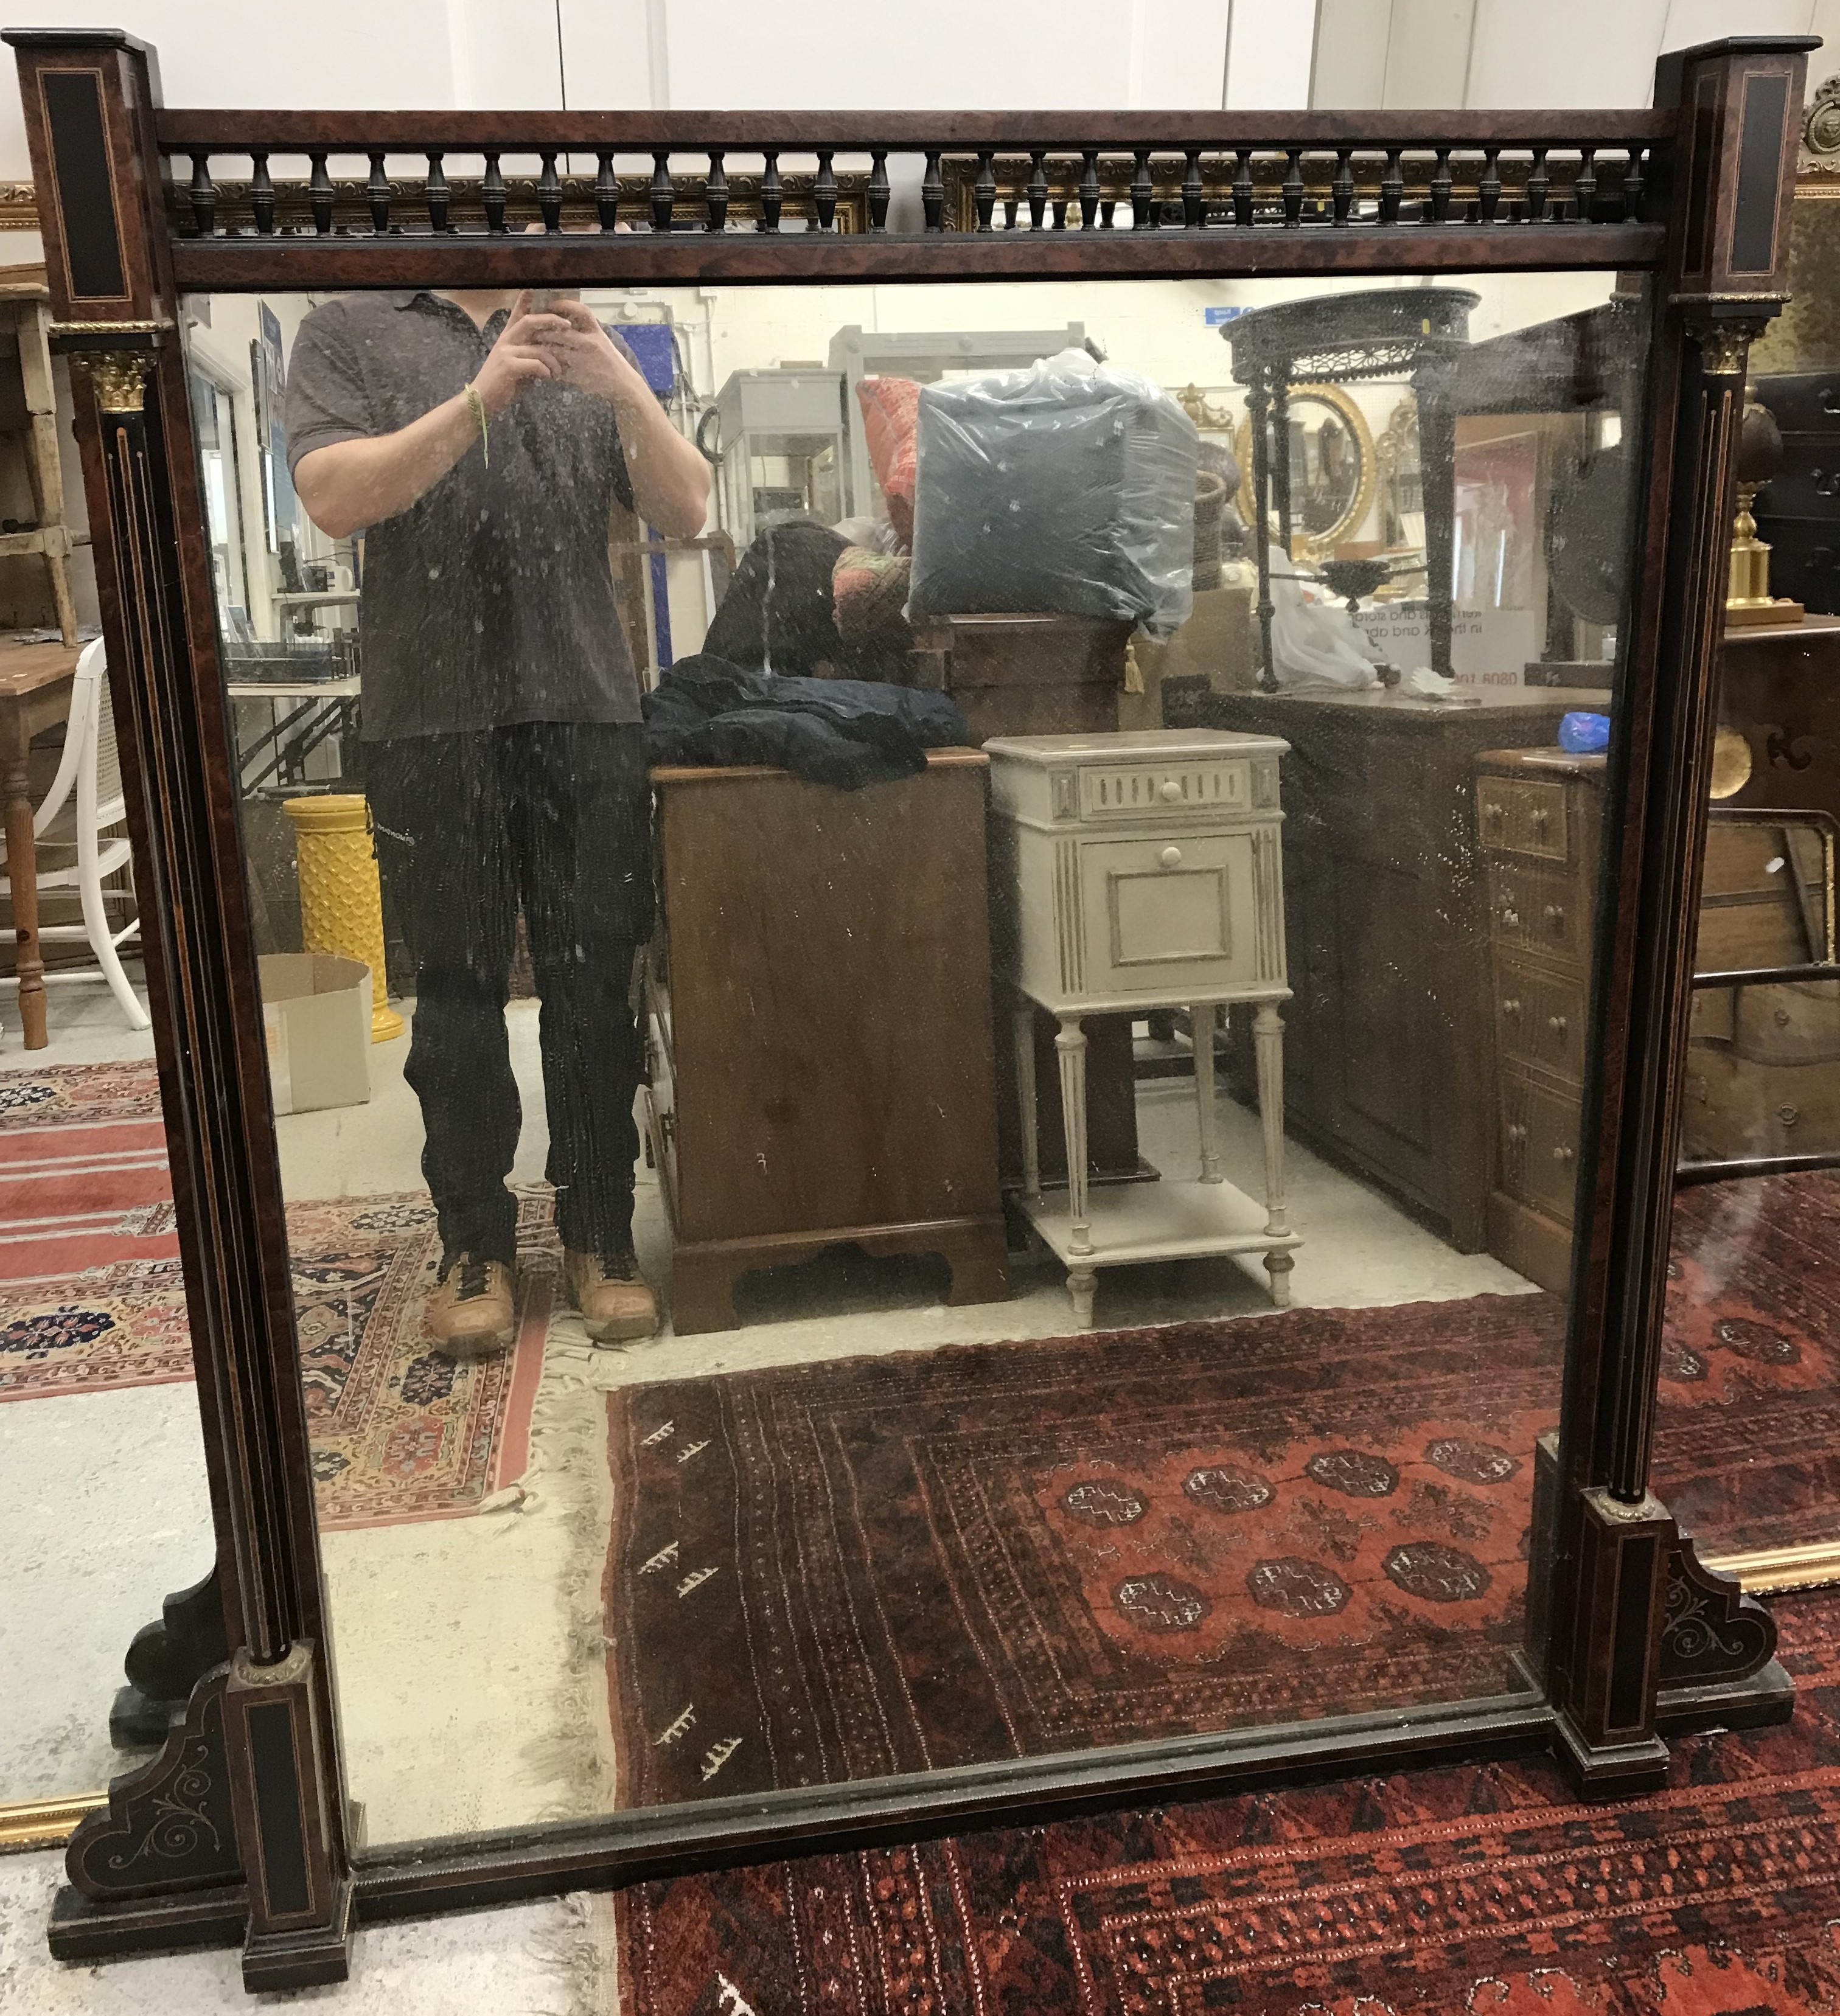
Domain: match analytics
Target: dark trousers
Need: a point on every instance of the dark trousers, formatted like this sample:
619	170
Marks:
554	819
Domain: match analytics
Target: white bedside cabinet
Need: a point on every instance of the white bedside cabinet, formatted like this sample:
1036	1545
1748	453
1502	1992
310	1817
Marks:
1132	872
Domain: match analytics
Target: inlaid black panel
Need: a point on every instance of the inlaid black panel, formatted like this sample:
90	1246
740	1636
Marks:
86	196
1759	166
278	1808
1628	1691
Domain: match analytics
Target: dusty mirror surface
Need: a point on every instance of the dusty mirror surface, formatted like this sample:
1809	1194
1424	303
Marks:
745	795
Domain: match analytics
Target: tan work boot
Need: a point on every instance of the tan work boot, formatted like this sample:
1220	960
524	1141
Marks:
615	1299
471	1312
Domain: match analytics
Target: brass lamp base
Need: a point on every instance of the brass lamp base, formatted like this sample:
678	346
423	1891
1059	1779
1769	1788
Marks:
1749	602
1748	615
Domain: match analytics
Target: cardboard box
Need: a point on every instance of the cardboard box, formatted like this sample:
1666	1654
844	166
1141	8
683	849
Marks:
316	1012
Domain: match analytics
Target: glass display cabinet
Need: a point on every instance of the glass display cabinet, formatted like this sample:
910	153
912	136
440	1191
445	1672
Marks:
520	1587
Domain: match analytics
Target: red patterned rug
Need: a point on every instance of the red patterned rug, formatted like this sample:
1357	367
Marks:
1748	1452
92	1299
842	1570
1479	1890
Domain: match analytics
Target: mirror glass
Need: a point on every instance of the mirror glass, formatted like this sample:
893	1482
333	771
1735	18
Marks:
910	1141
1750	1380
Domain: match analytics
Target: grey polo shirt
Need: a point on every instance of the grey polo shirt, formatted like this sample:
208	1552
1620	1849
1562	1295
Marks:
490	600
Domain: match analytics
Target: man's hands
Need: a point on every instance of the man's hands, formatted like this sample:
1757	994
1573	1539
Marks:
519	357
580	353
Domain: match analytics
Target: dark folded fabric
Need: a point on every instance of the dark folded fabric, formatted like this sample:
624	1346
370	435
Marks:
848	732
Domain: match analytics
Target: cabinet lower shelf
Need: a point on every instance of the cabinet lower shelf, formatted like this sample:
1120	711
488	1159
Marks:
1134	1224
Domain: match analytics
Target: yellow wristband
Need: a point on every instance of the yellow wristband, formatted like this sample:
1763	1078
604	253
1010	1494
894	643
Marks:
477	406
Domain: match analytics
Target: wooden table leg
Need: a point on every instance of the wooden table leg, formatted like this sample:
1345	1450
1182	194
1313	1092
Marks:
22	871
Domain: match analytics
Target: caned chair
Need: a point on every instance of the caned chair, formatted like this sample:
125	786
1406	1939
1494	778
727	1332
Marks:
82	820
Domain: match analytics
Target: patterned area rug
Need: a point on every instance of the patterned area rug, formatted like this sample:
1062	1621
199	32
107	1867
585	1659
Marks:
1482	1889
94	1299
1747	1453
91	1294
842	1570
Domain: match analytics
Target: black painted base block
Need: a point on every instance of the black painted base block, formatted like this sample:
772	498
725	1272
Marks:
82	1929
1761	1701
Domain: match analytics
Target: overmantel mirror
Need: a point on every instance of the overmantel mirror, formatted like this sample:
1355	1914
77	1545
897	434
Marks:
866	1137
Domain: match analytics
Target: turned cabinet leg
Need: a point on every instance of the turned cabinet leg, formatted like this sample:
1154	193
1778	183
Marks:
1025	1096
1069	1044
1200	1021
1082	1283
1268	1039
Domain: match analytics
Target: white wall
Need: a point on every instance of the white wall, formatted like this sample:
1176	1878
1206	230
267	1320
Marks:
1506	53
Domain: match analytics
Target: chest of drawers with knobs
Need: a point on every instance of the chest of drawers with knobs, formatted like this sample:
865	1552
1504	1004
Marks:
1538	813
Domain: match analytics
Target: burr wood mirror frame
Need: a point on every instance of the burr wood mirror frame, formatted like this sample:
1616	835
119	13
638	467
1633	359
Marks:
238	1831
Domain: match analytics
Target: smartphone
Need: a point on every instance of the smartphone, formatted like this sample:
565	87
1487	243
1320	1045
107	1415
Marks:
544	299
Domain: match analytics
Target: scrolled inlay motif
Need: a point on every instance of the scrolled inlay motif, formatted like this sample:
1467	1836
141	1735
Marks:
1711	1631
169	1826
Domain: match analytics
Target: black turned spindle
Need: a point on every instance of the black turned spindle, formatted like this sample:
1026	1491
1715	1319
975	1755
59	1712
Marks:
319	194
493	192
1342	189
1488	188
824	190
1242	187
1440	202
261	194
1633	183
1584	188
1061	209
879	190
606	192
1037	188
1012	206
1293	186
435	190
772	191
1143	192
715	192
549	194
983	189
1392	188
659	188
1090	190
204	197
1194	201
377	193
933	192
1539	181
1108	214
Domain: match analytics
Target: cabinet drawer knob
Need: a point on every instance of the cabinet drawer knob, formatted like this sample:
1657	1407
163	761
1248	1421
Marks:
1563	1155
1557	1023
1170	790
1492	812
1555	915
1788	1115
1512	918
1511	1007
1517	1133
1171	857
1542	819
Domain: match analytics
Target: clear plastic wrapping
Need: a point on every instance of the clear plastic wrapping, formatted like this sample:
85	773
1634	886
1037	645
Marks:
1068	487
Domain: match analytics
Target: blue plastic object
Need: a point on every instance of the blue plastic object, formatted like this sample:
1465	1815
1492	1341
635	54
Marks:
1584	734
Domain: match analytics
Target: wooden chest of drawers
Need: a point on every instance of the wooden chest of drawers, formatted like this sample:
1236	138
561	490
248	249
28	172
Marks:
1539	812
818	1001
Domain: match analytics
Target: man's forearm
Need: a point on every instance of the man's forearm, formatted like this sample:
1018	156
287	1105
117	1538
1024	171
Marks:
355	483
670	478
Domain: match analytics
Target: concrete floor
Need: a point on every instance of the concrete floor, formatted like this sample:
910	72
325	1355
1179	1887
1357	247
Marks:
461	1642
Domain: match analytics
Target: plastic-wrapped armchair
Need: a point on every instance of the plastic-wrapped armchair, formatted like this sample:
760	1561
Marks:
82	818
